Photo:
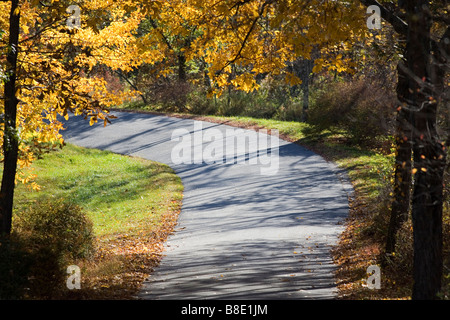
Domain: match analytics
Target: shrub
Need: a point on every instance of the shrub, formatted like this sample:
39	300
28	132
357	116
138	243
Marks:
59	225
199	103
56	234
362	109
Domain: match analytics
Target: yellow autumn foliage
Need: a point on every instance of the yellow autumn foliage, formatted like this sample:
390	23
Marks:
55	63
258	36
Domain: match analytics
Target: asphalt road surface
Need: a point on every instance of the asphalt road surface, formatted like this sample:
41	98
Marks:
259	216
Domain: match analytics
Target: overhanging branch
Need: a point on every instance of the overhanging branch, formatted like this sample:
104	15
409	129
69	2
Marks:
397	23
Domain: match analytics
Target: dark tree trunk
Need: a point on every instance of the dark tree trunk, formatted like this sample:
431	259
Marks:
305	88
402	178
403	166
10	138
302	68
425	60
429	160
181	68
429	157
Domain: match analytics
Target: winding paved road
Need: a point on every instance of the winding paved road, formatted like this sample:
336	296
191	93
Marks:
255	230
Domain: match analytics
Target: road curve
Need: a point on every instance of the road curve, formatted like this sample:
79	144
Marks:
243	232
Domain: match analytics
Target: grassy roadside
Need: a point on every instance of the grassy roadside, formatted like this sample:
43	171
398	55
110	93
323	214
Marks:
133	204
369	171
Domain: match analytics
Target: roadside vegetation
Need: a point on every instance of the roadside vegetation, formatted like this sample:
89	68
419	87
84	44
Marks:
351	123
106	213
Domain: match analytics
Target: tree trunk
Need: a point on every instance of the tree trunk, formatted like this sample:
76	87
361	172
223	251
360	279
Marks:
403	166
302	68
402	178
429	160
305	88
424	71
429	157
10	137
181	67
